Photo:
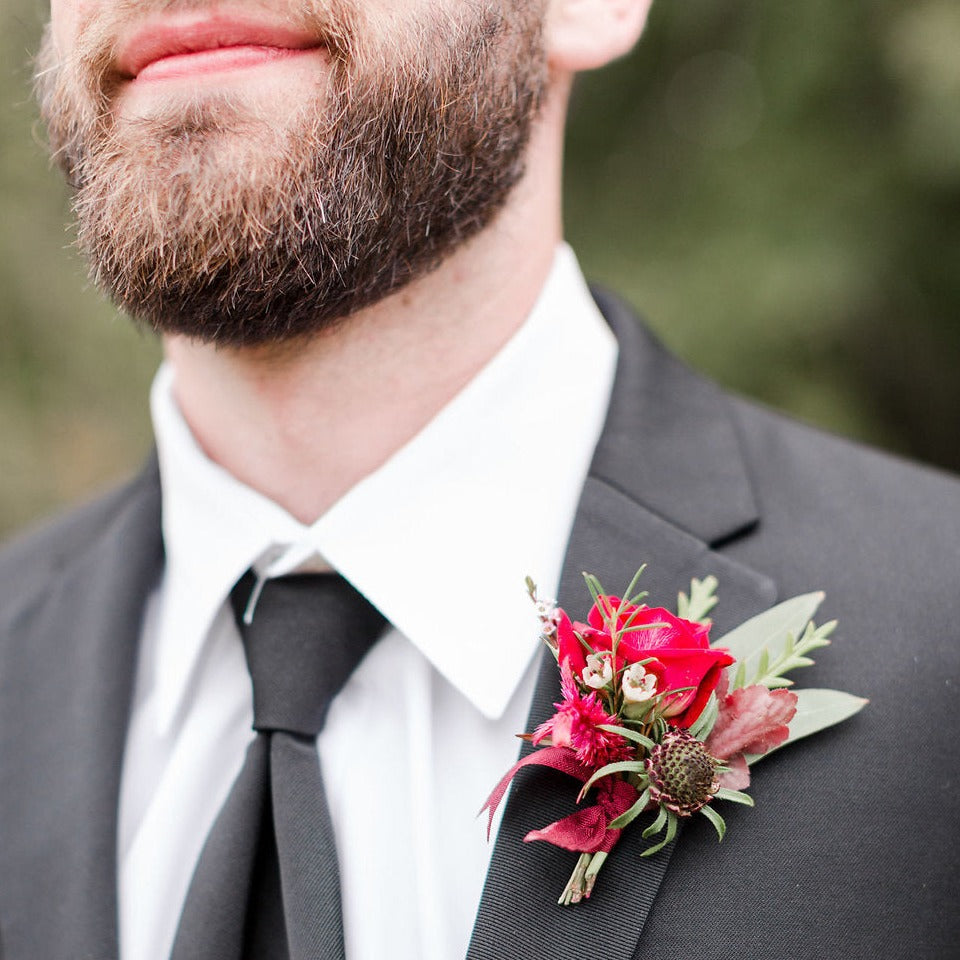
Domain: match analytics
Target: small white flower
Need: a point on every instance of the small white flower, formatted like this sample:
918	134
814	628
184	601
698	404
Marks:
638	685
549	614
598	672
547	609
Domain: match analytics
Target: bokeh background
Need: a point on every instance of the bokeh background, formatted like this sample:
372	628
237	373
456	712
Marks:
775	185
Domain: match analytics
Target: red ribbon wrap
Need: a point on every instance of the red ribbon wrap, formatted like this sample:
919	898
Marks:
587	830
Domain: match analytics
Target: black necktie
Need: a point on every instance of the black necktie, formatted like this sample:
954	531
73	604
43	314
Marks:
267	885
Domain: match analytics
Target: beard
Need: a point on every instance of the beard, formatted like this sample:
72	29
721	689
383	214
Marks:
223	224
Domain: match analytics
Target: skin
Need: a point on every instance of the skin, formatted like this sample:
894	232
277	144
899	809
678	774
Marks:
302	423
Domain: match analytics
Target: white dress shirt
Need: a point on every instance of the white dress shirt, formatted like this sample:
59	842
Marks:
440	539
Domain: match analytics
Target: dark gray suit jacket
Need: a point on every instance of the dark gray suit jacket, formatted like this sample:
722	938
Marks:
853	849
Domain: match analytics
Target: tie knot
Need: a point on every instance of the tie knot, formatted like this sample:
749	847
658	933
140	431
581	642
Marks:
307	635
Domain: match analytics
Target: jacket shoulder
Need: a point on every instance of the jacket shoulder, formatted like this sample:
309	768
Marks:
881	530
809	464
31	559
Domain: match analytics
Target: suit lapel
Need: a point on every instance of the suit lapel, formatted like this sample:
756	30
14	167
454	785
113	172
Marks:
667	482
64	712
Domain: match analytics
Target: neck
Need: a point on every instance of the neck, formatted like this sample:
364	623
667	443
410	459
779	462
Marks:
303	424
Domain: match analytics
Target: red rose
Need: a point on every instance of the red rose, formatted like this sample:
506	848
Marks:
570	647
680	650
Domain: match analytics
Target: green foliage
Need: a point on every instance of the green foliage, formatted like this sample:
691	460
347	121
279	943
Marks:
702	599
816	710
735	796
659	822
704	723
625	819
665	818
627	734
719	824
765	645
631	594
621	766
771	674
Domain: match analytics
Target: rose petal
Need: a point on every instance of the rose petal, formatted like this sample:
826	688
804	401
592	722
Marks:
570	649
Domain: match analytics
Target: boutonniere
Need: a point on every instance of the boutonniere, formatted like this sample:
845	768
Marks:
657	722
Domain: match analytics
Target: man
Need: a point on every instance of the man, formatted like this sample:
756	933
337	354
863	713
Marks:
343	217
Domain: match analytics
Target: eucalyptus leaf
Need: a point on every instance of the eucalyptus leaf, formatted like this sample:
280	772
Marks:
818	709
773	630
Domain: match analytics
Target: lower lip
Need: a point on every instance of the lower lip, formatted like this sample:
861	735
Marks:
219	60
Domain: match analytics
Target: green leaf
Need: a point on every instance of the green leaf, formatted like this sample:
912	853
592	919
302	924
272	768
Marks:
630	627
773	630
816	710
587	649
628	594
705	722
734	796
814	637
701	601
627	734
622	766
764	665
719	824
657	824
671	833
593	585
627	818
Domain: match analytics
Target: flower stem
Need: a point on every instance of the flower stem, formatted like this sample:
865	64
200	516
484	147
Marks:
596	862
573	892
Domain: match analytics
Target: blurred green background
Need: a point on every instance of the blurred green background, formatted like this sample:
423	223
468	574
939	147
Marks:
775	185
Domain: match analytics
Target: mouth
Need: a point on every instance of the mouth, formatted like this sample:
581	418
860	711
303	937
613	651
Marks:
193	45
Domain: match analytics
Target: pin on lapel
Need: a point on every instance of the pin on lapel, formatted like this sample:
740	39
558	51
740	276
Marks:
657	722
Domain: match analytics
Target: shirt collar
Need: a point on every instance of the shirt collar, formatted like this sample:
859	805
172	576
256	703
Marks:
439	538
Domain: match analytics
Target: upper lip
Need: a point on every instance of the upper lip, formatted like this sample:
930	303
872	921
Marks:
173	35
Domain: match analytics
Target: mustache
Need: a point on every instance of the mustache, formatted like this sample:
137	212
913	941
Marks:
75	88
100	35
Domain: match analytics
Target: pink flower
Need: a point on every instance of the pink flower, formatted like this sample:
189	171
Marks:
679	651
575	726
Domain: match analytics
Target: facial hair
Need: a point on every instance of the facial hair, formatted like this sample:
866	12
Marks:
226	226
